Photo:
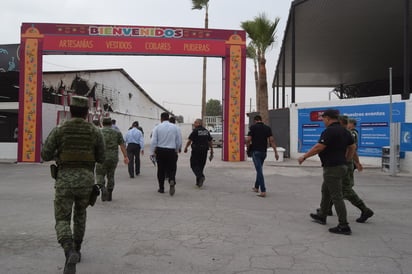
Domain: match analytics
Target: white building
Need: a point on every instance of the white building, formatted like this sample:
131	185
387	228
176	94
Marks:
112	92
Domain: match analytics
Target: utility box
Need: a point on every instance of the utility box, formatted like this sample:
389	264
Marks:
386	159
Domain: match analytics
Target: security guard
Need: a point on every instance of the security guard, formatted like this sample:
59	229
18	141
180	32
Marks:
78	145
113	139
335	148
200	141
349	181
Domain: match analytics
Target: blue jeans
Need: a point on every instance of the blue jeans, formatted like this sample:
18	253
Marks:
258	159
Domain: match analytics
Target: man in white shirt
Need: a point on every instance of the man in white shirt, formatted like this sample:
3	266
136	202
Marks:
166	142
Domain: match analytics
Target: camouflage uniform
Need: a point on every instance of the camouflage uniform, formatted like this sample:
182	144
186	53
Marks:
77	145
112	140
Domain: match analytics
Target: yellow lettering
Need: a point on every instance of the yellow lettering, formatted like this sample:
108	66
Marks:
157	46
76	44
119	45
196	47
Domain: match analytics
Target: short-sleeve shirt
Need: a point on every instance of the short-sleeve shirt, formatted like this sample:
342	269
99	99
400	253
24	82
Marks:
336	139
200	138
260	134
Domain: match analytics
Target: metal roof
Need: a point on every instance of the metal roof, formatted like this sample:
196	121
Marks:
342	42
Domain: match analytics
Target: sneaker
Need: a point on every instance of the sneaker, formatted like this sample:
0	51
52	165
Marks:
201	180
318	219
330	213
262	194
364	216
172	188
254	189
161	191
341	229
72	259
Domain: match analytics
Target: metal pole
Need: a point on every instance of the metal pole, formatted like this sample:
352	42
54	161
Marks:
406	54
293	72
392	151
277	90
250	105
283	79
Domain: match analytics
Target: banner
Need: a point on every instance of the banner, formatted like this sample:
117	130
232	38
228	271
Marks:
372	125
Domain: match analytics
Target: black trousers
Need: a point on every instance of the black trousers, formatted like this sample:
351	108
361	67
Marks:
133	153
198	162
166	164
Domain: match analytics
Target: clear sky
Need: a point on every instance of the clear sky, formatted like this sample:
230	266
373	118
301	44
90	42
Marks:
174	82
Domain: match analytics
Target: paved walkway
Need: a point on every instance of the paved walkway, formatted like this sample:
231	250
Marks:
220	228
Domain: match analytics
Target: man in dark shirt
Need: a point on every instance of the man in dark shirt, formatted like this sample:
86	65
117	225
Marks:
200	141
335	148
257	142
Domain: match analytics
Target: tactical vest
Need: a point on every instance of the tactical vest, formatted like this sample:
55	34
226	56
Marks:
77	143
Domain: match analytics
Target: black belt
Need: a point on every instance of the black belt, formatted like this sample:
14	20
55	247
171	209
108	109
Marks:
165	149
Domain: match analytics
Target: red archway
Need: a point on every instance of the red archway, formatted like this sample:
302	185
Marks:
38	39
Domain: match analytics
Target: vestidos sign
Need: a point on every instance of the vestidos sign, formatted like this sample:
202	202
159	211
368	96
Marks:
136	31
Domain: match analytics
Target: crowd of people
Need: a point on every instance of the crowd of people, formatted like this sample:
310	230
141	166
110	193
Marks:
87	156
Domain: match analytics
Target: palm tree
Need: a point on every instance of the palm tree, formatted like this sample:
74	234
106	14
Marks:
252	54
262	32
199	5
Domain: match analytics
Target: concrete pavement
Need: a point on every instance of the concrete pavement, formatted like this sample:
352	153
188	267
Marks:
220	228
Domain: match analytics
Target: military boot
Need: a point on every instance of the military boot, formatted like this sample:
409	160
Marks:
109	195
72	258
77	247
366	212
104	193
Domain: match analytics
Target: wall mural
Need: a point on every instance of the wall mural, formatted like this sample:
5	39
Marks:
104	97
9	57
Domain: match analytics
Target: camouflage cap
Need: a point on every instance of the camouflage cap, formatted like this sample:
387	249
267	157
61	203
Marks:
107	121
79	101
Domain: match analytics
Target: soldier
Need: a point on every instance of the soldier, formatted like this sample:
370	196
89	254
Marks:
113	139
200	141
78	145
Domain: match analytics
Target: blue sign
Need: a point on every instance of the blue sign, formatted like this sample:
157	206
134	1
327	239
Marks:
406	137
372	125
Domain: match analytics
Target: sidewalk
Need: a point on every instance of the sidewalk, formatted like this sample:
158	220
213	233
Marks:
220	228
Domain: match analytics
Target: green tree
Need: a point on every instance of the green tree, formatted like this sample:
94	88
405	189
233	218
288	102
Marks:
199	5
251	53
213	108
262	32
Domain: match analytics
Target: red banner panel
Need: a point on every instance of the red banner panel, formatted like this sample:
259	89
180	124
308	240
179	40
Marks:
101	39
129	45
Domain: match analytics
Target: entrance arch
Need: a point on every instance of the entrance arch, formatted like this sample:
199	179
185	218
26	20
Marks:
38	39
